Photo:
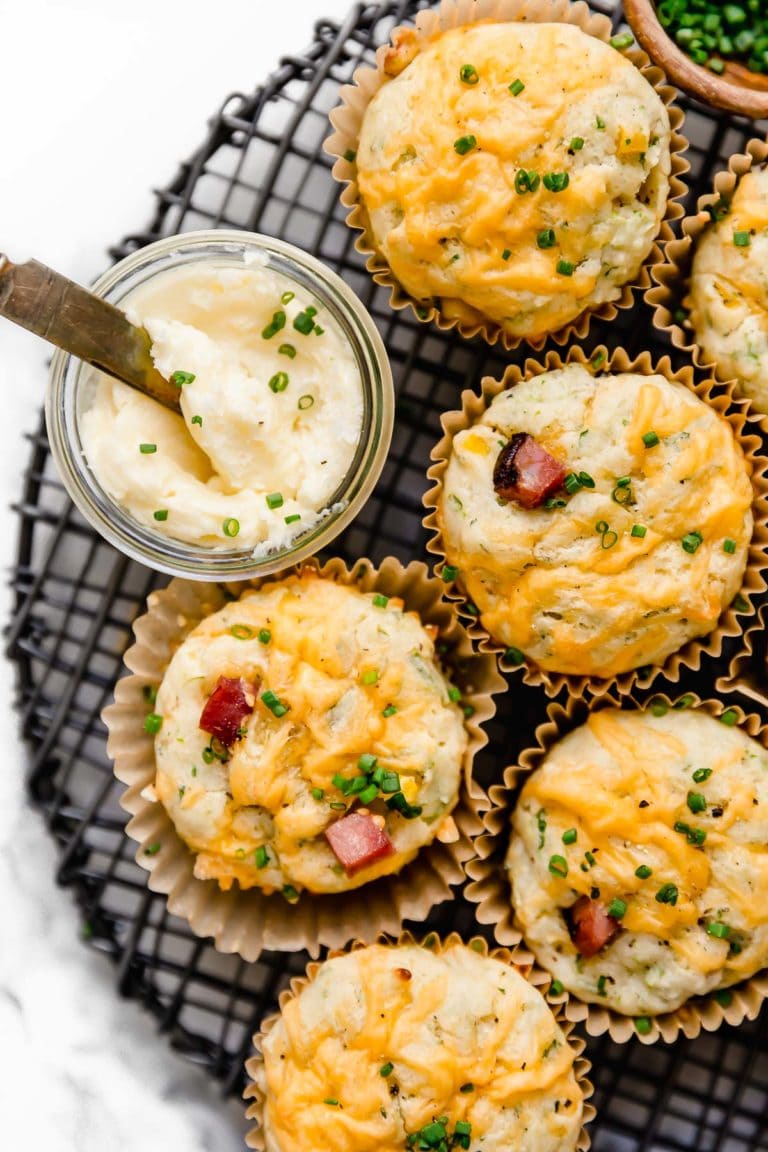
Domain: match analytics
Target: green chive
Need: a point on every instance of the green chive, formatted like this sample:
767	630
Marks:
570	836
230	527
197	420
241	631
643	872
741	239
292	518
468	1087
729	718
599	123
274	500
152	849
274	703
526	182
650	439
153	723
617	908
264	635
368	794
350	155
468	74
506	254
304	322
718	930
147	449
367	762
370	677
306	402
287	350
386	1069
380	601
465	144
729	546
638	530
290	893
691	541
623	40
556	181
724	997
390	710
317	793
279	382
601	982
547	238
287	297
667	894
564	267
556	988
516	87
643	1025
514	656
577	143
696	802
181	378
701	774
262	857
454	694
160	514
558	866
449	573
276	324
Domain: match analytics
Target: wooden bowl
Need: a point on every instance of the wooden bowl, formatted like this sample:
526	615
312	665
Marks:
737	89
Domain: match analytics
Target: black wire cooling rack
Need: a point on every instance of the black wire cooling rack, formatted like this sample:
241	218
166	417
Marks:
262	168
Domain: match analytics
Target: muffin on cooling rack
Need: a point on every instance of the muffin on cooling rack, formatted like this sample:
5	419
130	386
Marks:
597	522
404	1046
510	174
306	740
637	861
728	293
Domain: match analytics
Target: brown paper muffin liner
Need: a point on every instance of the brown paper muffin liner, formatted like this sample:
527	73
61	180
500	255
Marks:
718	396
347	119
248	921
668	295
516	957
489	886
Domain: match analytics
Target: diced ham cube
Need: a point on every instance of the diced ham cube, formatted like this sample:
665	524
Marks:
357	841
591	926
226	709
526	472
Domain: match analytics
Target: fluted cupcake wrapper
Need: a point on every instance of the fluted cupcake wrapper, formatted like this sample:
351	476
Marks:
246	921
668	295
718	396
347	120
490	891
516	956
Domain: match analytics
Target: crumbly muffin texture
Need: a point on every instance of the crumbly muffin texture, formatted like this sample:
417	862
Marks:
728	295
515	172
392	1041
350	711
640	551
662	818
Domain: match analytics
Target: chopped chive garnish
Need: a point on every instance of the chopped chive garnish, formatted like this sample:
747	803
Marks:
691	541
556	181
274	499
718	930
370	677
556	988
181	378
276	324
306	402
153	723
264	635
643	872
740	604
514	656
294	516
526	182
564	267
449	573
516	87
304	322
650	439
506	254
729	718
638	530
152	849
147	449
149	692
386	1069
317	794
697	802
667	894
577	143
454	694
617	908
329	1099
546	238
724	997
701	774
468	1087
390	710
380	601
599	123
601	982
290	893
160	514
287	350
230	527
558	866
643	1025
741	239
241	631
197	420
274	703
287	297
368	794
570	836
729	546
262	857
350	155
468	74
622	40
367	762
465	144
279	382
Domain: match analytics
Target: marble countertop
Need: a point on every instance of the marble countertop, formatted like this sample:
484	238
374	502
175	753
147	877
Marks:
100	103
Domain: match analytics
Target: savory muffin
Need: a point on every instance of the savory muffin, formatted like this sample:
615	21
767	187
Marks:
597	522
515	172
637	862
728	296
396	1047
308	738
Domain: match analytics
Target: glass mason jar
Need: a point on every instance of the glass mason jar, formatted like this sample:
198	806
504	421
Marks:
72	386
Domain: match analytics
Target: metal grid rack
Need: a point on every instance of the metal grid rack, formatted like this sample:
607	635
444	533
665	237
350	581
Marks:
262	168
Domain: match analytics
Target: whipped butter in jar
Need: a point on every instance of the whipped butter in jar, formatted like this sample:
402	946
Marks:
286	409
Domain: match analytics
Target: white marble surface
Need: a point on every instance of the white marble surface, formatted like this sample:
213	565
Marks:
98	103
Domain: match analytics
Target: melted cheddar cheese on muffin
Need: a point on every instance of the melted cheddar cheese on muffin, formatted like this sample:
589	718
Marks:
728	296
395	1047
515	172
309	738
641	548
638	859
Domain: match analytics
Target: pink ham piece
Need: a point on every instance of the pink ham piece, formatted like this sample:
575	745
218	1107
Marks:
525	472
227	707
591	926
357	841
